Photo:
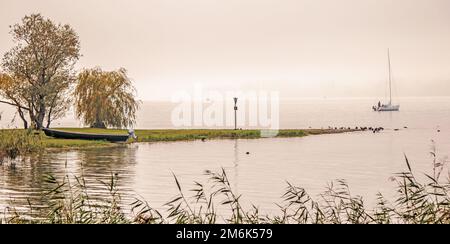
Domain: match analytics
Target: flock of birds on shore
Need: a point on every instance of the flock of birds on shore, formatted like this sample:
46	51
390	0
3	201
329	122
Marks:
373	129
362	128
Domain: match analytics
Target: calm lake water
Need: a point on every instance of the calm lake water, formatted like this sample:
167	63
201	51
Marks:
364	159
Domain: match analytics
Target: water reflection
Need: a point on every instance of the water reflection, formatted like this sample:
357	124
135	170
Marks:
24	184
365	160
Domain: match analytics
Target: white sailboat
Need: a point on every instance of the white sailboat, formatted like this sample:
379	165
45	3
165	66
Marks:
387	107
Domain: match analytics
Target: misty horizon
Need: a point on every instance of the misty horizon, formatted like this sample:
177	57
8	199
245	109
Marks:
299	48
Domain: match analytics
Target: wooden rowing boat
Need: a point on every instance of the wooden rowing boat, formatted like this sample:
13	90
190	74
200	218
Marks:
85	136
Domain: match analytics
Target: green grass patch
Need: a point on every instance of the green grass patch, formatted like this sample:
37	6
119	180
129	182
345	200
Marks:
197	134
23	141
14	143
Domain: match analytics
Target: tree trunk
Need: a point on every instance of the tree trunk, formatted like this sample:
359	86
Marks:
49	117
32	119
22	116
99	124
41	114
48	124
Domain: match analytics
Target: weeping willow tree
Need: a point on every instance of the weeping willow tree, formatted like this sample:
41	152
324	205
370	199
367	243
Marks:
105	99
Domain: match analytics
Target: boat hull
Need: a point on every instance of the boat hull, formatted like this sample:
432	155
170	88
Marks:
85	136
387	108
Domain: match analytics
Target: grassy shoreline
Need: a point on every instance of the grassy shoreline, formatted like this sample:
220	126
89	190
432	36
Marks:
171	135
165	135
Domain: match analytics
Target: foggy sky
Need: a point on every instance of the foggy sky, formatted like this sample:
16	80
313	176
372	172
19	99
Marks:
303	48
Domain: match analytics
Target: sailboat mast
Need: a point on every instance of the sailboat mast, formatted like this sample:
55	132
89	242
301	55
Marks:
390	78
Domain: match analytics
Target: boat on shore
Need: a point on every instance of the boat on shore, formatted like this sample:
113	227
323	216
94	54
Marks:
85	136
